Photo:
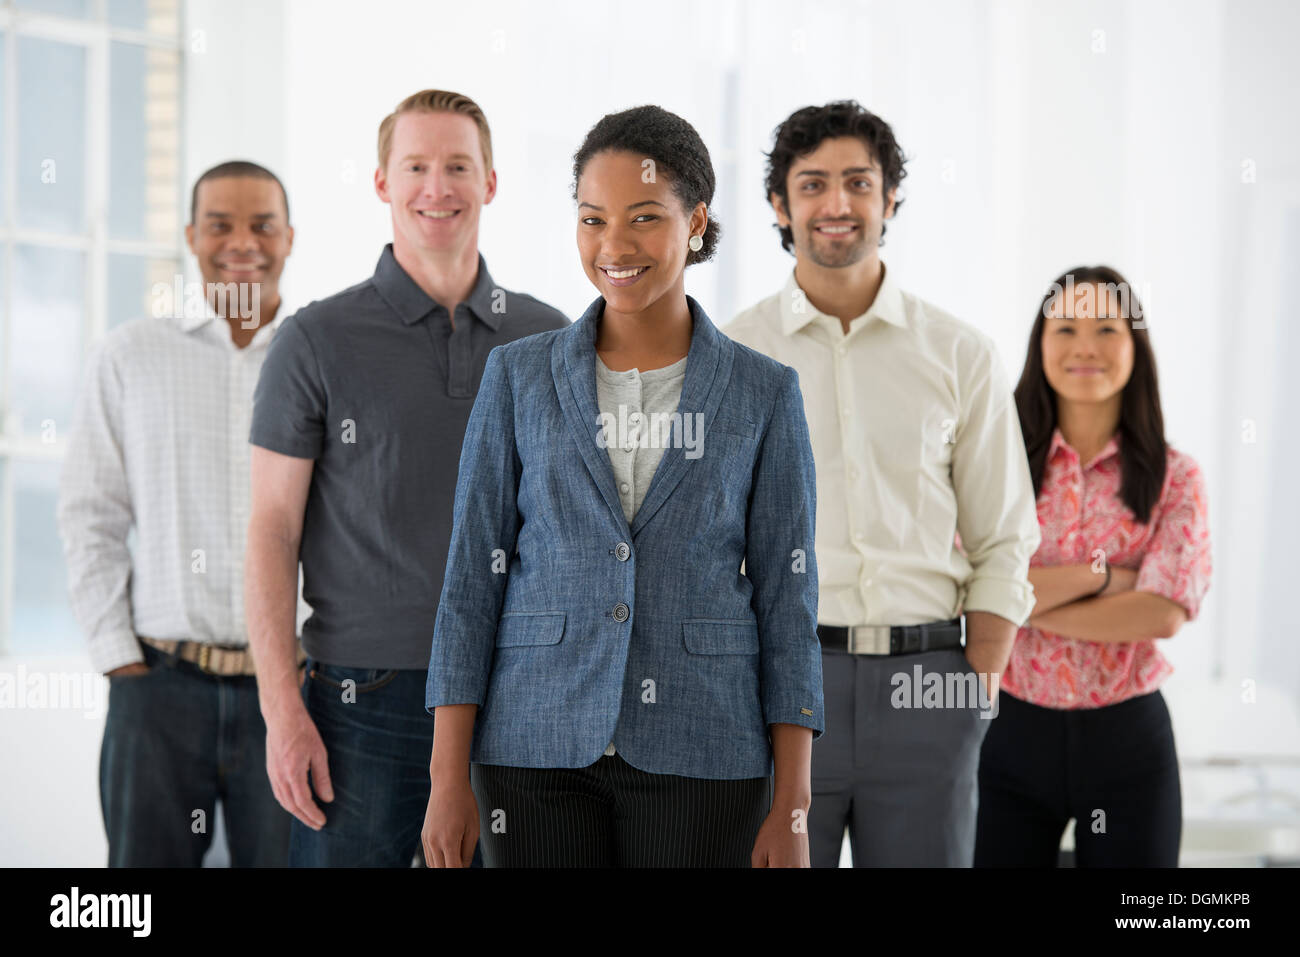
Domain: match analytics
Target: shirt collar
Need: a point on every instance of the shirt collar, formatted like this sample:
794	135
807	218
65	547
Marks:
797	310
191	323
1059	445
412	303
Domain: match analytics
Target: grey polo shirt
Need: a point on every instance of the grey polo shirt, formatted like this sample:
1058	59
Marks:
375	386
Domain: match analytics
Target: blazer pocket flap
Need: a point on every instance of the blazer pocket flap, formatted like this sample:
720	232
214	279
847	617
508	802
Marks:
720	636
530	628
734	427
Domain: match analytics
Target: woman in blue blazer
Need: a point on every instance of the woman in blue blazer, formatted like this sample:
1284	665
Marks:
610	686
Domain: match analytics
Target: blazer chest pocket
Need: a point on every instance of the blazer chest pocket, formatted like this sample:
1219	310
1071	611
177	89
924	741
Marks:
720	636
522	628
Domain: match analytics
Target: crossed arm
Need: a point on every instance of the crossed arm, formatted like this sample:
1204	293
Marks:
1068	605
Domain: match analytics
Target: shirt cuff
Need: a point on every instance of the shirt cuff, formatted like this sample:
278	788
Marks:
114	650
1007	598
1178	587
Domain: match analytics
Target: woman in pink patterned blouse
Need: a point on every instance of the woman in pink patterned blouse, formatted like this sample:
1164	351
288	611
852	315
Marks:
1083	731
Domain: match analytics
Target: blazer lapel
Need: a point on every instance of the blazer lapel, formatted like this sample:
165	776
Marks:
573	367
708	370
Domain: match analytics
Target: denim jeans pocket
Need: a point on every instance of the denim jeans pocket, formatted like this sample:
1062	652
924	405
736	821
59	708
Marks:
361	679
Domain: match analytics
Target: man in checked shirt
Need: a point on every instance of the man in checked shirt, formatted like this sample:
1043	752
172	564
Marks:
160	448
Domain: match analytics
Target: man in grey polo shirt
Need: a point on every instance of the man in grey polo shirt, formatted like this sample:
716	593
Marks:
358	421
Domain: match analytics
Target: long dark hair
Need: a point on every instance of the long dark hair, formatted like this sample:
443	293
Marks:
1141	423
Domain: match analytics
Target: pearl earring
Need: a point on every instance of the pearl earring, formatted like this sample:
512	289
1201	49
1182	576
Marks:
696	244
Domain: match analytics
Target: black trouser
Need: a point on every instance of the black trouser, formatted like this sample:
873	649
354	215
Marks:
614	815
1113	769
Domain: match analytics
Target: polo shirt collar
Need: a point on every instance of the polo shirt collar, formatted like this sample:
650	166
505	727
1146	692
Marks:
888	305
412	303
1062	447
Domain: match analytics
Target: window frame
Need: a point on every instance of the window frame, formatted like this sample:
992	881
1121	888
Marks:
96	36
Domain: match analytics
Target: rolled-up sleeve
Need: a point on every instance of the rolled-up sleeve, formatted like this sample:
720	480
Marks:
996	514
95	516
486	519
781	564
1177	563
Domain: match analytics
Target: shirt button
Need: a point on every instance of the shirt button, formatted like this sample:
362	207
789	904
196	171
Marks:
623	488
621	551
846	412
853	473
620	612
859	537
840	350
868	582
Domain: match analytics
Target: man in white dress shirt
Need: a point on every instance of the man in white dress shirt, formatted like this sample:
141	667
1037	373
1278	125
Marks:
160	448
925	511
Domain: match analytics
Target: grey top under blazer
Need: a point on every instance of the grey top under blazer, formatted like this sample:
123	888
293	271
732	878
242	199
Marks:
569	629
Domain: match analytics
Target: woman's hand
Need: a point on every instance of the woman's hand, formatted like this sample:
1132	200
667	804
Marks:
783	839
450	823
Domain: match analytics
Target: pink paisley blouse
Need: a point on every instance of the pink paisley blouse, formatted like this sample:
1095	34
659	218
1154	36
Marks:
1079	513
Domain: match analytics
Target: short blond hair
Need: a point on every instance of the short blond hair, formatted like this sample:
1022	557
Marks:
436	101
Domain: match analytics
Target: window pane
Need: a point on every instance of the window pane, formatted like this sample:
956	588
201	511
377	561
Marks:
155	16
62	8
144	96
131	14
51	135
131	280
42	618
46	332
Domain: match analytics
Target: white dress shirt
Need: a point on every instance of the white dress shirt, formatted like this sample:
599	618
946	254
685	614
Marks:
916	438
159	448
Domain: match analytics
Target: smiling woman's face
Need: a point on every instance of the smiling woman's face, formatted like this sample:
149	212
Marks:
632	230
1087	345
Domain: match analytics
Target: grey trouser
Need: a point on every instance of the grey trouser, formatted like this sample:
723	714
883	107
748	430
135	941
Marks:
904	780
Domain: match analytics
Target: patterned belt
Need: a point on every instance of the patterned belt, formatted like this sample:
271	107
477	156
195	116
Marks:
892	639
221	660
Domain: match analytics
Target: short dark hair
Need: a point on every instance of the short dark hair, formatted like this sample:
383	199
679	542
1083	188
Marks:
231	169
804	130
676	149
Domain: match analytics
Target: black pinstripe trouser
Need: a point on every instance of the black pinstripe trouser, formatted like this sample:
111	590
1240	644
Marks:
611	814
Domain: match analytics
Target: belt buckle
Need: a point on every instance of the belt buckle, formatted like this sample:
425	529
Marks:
869	639
205	658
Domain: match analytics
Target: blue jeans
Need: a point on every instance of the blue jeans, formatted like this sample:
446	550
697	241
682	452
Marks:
378	738
175	740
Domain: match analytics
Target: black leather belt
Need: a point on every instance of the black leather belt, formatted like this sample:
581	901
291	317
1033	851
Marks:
892	639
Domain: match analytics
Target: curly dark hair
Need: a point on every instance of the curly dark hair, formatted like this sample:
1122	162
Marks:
676	149
804	130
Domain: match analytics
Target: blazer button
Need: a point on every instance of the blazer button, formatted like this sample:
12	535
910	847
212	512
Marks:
620	612
621	551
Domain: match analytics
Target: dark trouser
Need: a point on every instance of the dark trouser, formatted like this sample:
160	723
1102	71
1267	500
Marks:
903	779
175	741
614	815
378	739
1113	769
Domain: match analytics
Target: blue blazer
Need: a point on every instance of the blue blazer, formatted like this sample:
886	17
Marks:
570	629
